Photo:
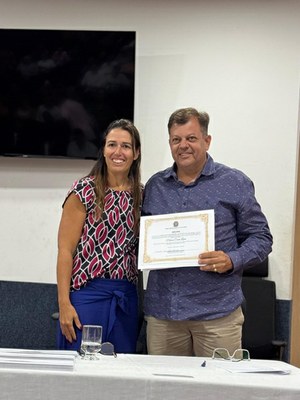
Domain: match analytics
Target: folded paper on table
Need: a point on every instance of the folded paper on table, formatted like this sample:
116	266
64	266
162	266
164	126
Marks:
252	366
38	359
175	240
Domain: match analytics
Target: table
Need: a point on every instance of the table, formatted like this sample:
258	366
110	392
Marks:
144	377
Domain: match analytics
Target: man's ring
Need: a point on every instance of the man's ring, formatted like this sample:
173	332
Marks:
214	267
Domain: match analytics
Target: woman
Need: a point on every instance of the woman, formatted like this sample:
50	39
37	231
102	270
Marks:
97	245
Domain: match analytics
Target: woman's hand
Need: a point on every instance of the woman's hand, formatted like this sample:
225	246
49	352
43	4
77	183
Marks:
67	318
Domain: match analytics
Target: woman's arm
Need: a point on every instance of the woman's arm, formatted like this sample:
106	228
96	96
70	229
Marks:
69	233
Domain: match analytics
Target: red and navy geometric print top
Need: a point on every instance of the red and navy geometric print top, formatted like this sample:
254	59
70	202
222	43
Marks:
107	247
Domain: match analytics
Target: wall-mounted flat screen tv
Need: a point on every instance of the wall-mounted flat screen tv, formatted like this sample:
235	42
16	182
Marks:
59	89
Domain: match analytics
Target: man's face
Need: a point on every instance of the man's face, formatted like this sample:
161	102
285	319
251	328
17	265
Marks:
189	146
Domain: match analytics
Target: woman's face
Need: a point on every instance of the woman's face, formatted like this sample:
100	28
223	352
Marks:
118	151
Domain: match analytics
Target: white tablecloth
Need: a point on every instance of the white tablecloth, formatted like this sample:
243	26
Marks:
150	377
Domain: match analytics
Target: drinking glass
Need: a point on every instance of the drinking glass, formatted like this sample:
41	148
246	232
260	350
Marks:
91	341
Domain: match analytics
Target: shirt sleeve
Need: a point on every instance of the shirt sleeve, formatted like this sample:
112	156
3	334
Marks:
84	190
253	234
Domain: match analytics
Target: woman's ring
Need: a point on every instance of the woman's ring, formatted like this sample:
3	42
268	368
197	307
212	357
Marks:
214	267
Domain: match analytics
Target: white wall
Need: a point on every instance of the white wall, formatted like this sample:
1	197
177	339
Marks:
238	60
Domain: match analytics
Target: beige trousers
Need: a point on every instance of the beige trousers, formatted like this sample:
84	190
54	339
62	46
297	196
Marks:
199	338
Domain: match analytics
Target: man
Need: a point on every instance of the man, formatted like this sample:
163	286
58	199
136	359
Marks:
191	310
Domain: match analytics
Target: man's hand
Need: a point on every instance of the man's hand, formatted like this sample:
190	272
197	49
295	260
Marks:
215	261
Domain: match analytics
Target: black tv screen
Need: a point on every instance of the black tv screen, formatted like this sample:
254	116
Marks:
59	89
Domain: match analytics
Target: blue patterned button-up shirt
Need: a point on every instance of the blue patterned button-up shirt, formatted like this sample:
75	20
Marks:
241	231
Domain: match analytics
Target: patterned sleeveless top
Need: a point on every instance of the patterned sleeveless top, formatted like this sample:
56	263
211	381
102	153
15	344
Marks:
107	247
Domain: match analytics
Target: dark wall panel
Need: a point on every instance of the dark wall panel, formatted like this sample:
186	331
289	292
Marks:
25	315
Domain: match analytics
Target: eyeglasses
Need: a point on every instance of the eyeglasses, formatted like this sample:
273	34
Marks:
238	355
108	349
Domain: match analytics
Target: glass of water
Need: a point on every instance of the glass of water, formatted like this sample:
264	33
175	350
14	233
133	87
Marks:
91	341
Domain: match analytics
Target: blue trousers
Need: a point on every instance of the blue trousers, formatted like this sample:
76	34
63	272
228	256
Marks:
112	303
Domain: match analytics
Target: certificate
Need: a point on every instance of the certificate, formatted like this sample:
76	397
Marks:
175	240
